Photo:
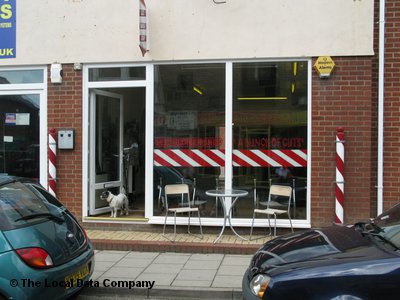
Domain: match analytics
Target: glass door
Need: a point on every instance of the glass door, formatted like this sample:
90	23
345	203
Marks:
106	157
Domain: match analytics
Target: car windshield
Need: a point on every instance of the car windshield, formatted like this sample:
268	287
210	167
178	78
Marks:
387	225
20	206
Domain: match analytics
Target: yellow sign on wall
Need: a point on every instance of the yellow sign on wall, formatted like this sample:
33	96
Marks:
324	66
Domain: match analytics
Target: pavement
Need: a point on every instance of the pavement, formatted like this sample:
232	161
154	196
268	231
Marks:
166	275
146	265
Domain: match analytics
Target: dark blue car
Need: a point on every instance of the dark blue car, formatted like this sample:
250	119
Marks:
44	252
338	262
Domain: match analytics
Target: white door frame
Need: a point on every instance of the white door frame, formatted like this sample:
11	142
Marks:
92	161
148	84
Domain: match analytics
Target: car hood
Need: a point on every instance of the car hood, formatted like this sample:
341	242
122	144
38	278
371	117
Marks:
313	248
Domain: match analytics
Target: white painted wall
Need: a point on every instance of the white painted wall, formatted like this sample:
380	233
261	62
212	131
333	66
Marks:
93	31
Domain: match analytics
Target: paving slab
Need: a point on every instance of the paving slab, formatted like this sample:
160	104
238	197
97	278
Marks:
188	275
134	262
227	281
127	273
202	264
161	280
172	258
194	275
163	268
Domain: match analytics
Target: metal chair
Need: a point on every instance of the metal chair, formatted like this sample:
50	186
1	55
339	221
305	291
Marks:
279	199
183	205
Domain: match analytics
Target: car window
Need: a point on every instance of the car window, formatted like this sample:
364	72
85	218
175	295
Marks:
50	198
16	202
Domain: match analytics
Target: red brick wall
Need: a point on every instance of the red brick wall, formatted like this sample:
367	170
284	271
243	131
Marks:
343	100
360	190
65	111
391	152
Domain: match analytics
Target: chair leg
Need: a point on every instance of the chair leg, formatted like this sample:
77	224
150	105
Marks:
165	221
174	226
252	224
275	225
201	229
269	225
290	220
189	213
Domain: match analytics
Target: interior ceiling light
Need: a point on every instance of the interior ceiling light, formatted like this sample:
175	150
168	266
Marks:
262	98
197	90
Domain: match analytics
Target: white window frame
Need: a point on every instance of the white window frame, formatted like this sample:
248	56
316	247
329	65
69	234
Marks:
41	90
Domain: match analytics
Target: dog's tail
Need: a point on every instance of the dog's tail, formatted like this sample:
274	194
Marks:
123	191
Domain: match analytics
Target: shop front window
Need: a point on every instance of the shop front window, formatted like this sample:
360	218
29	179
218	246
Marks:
268	106
270	131
189	131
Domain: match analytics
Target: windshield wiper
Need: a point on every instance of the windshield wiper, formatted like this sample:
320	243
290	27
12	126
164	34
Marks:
41	215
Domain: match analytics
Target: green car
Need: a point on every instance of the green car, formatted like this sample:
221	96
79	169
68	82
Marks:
44	252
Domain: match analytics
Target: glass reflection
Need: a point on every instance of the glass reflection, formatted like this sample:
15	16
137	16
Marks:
189	132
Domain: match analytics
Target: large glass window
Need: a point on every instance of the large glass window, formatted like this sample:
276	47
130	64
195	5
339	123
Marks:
268	107
189	131
270	130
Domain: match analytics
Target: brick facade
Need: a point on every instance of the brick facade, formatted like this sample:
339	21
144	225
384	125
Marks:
65	111
343	100
347	99
391	176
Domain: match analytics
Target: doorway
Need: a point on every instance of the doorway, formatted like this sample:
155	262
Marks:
117	135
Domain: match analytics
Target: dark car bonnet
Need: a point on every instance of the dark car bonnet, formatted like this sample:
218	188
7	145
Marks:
307	245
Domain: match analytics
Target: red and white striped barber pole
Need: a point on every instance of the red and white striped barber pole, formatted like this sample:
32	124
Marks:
143	27
52	161
339	210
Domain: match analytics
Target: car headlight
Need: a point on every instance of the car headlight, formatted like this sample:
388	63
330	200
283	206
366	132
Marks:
259	284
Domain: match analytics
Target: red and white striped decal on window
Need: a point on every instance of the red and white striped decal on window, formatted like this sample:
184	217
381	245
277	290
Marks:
241	158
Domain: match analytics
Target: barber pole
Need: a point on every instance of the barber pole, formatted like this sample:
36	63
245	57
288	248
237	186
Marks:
339	210
143	27
52	162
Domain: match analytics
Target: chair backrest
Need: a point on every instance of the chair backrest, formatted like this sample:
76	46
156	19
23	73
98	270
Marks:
219	183
282	195
178	189
260	190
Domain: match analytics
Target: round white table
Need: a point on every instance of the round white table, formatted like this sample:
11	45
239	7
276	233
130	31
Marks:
222	194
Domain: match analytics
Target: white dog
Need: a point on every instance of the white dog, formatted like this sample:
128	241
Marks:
118	202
